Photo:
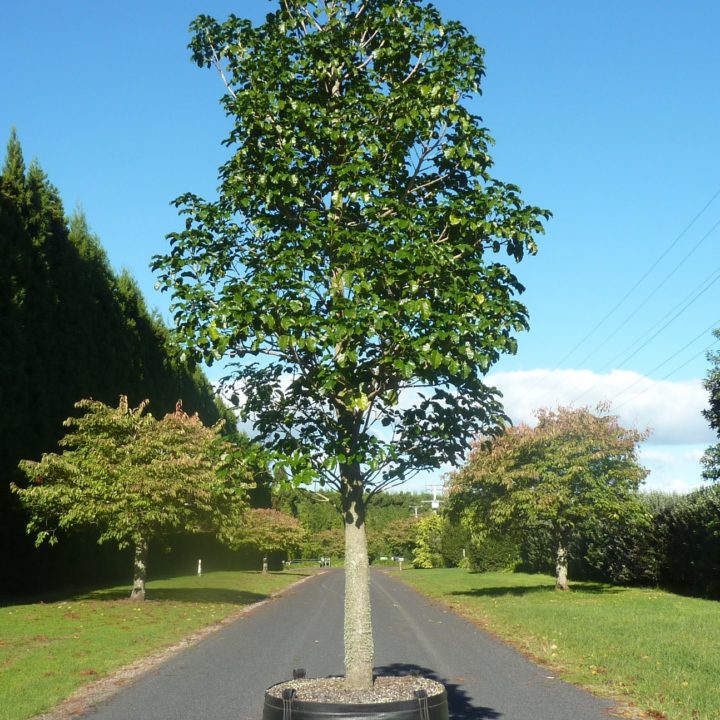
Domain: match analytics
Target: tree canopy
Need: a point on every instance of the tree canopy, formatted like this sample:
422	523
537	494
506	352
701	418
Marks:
133	478
269	531
572	467
353	242
352	266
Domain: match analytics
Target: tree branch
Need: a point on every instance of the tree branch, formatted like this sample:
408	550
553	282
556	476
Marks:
218	67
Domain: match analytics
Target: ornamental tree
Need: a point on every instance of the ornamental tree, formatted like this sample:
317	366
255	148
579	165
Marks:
134	478
399	537
351	270
573	467
270	531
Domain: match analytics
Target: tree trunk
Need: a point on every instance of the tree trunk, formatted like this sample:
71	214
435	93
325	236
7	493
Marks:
359	650
139	570
561	567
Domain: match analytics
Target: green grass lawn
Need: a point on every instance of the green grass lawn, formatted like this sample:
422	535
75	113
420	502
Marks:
658	650
49	649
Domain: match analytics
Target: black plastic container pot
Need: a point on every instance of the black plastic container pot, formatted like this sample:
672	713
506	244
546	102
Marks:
422	707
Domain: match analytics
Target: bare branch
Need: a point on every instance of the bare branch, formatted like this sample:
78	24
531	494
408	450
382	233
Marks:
418	64
218	67
435	180
370	57
309	16
422	156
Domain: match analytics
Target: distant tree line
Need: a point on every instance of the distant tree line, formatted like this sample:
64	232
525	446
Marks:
400	524
70	328
670	540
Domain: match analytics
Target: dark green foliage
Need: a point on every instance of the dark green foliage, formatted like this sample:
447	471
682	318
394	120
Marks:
69	328
390	521
688	535
711	459
454	539
388	507
678	548
494	553
622	553
622	550
316	511
399	538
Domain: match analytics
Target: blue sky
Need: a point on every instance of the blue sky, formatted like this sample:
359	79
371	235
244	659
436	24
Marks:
605	113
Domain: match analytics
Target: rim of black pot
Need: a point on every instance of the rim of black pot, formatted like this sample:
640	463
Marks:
358	707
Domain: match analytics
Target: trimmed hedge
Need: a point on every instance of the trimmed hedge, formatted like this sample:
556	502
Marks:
678	547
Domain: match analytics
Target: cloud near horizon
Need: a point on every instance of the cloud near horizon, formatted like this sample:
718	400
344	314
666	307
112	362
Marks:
672	411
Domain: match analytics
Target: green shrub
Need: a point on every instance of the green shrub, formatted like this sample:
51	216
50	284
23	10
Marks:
688	533
454	544
494	553
428	548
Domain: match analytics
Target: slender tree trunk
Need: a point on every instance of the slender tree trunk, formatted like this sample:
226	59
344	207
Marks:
139	570
359	650
561	567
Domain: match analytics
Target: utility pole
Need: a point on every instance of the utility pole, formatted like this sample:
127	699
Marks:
437	491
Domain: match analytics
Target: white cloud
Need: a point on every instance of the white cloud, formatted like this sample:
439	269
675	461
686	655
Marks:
673	468
671	410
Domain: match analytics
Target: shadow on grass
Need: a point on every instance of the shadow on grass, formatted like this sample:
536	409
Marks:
188	595
459	705
122	592
295	574
519	591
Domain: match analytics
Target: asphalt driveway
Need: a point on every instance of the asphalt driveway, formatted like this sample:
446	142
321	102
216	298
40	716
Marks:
224	676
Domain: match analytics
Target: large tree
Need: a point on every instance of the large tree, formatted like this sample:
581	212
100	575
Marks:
574	466
134	478
711	458
350	267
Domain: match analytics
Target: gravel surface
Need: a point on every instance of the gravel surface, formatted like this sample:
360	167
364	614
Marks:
334	690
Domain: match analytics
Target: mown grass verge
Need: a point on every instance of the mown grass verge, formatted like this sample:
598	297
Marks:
48	650
655	649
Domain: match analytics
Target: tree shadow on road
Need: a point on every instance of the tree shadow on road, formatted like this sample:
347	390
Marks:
459	705
591	588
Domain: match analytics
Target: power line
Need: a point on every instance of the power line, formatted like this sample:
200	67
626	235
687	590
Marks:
665	377
635	286
710	279
652	337
659	286
672	357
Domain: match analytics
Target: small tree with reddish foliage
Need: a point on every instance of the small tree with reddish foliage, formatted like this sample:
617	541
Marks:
572	467
269	531
134	478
